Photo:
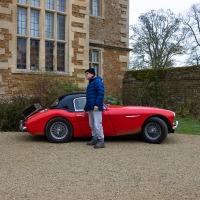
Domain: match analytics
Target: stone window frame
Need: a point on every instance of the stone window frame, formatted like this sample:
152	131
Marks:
42	39
101	8
99	63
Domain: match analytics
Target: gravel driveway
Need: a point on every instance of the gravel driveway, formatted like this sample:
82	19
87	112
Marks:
127	169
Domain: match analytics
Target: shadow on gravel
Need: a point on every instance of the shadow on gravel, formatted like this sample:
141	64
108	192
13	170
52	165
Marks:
41	138
32	138
117	139
129	139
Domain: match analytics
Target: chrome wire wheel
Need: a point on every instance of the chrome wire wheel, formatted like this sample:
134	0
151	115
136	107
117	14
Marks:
152	131
59	130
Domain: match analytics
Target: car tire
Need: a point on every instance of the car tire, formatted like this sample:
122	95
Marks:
154	130
59	130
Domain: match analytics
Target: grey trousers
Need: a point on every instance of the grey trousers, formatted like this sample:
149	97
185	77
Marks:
95	121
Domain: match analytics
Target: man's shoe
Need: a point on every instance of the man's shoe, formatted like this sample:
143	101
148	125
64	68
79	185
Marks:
93	141
100	144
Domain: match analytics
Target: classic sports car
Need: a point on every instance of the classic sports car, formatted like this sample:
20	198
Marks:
64	120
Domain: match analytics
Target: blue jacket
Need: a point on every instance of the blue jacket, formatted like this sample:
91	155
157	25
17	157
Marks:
94	94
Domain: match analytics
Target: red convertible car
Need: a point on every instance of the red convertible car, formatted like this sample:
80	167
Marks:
64	120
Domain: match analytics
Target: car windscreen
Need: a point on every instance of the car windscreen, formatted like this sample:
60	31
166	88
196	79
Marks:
62	102
79	103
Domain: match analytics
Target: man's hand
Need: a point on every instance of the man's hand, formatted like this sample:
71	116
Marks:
84	113
96	108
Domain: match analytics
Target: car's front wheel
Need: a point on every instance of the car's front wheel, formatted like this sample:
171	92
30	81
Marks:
59	130
154	130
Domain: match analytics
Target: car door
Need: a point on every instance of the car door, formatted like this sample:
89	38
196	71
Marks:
83	121
125	121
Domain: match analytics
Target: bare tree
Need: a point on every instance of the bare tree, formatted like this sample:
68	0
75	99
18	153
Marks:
157	38
194	58
192	21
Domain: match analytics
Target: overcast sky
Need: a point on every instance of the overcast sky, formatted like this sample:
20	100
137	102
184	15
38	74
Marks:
142	6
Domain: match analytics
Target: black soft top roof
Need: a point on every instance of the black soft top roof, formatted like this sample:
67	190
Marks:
66	101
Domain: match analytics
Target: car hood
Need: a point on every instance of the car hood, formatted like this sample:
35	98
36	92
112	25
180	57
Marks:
137	108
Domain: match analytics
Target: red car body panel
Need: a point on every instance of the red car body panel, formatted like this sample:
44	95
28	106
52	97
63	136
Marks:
36	123
117	120
86	130
130	119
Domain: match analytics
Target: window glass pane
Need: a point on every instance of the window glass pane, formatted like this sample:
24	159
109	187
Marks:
34	26
50	4
49	56
35	3
96	7
95	56
21	21
34	54
61	5
60	57
61	27
95	66
49	25
21	53
22	1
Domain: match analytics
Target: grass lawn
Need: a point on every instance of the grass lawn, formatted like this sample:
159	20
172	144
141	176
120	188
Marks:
188	126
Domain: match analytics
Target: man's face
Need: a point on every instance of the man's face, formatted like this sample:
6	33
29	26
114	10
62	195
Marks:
88	76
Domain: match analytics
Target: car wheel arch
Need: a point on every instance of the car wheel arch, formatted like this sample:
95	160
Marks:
159	125
61	118
167	122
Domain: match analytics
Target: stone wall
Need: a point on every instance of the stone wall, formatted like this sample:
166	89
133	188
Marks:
79	40
5	42
14	82
114	62
112	28
109	33
174	88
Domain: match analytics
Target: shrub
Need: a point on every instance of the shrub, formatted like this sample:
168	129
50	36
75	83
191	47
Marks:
189	109
112	100
10	112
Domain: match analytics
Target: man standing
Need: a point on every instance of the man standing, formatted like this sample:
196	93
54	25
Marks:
94	105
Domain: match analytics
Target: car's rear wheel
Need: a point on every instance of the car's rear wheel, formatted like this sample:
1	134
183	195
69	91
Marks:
59	130
154	130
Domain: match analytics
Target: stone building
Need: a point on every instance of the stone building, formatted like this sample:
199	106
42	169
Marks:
62	37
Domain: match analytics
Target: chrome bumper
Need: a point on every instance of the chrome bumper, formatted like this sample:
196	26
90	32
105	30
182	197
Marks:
175	126
21	126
